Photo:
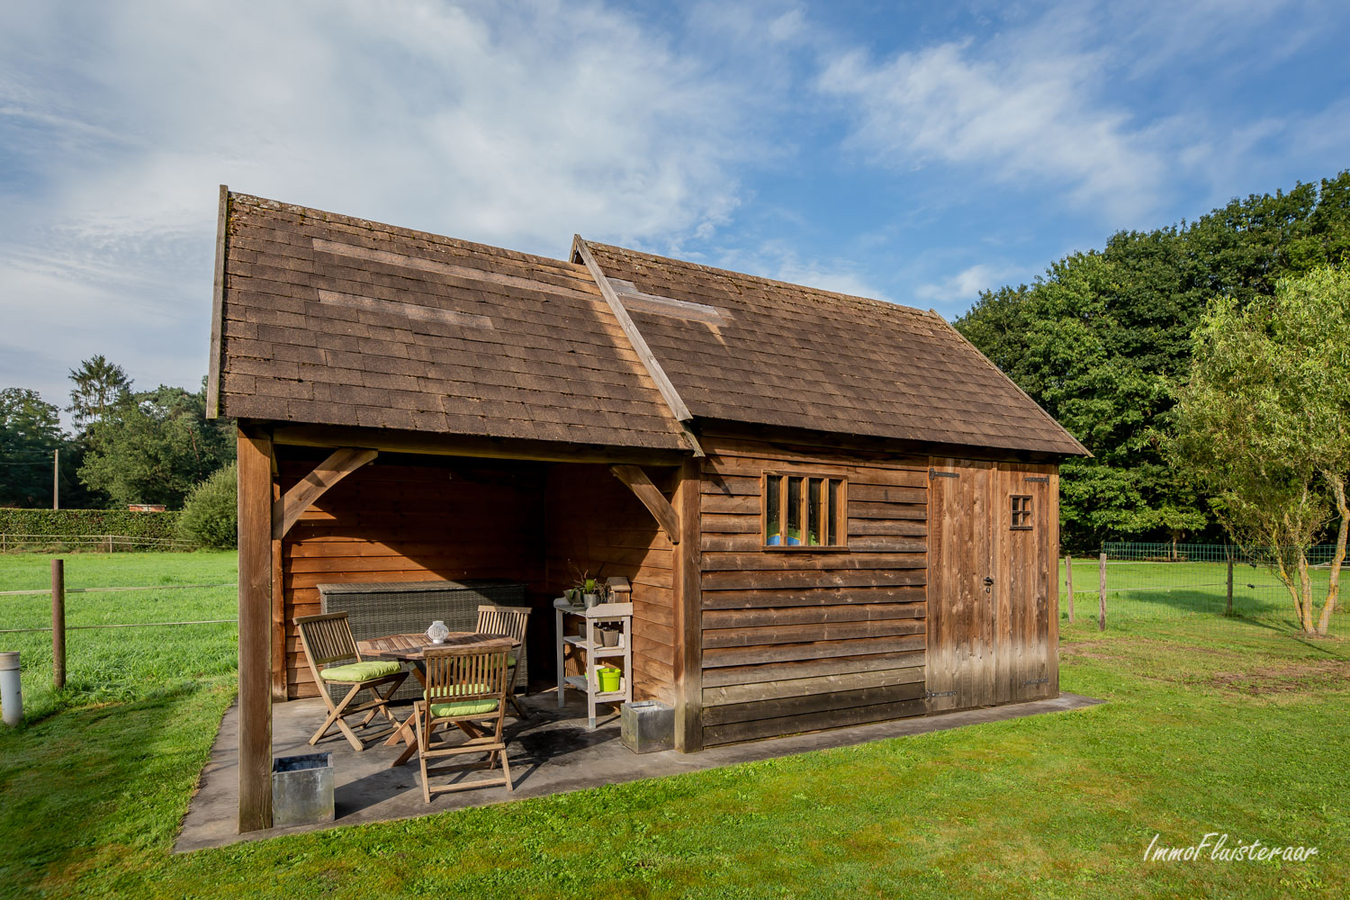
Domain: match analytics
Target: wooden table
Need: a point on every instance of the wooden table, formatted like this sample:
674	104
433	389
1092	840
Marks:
412	648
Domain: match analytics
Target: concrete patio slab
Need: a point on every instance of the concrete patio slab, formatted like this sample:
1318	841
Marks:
549	753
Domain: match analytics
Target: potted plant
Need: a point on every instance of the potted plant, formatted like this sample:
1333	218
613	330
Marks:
592	590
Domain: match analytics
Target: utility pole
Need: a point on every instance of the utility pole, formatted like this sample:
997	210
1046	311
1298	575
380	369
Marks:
56	479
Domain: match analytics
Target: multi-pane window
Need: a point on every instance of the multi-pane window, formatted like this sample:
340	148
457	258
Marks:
1021	513
804	511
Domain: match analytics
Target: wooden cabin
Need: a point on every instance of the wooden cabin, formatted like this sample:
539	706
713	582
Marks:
831	510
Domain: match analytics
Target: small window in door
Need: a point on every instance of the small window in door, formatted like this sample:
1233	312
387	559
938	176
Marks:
805	512
1021	512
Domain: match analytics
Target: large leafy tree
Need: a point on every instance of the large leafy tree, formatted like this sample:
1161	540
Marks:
98	386
1264	423
1103	339
30	430
154	446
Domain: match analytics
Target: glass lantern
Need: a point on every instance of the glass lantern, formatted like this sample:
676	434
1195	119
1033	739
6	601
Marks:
438	632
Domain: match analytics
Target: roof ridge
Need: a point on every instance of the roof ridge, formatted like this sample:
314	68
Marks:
374	224
716	270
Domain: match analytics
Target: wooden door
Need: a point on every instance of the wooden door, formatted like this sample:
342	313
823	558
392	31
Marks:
1026	572
993	540
960	615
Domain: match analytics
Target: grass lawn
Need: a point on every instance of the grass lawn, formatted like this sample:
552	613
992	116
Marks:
1240	731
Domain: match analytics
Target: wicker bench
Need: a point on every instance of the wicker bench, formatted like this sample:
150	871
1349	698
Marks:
382	608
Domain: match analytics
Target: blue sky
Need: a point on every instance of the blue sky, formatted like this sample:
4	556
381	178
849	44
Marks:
916	152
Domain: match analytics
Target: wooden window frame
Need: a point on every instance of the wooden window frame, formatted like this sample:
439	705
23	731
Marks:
1021	519
840	525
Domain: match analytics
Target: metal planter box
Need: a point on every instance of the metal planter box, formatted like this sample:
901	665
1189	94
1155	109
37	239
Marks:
302	790
647	726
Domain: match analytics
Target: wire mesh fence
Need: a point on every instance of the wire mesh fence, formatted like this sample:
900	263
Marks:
1207	586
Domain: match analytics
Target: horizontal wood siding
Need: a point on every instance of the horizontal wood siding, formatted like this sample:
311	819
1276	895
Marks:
798	640
396	522
595	524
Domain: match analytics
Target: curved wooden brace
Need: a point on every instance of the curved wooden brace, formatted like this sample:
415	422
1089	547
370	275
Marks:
652	498
336	467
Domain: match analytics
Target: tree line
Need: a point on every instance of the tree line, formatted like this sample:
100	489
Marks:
1206	366
127	446
1103	342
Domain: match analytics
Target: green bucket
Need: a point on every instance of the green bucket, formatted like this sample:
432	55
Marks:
609	679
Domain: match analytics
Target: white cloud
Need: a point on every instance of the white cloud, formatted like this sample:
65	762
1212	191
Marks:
514	124
1017	115
964	285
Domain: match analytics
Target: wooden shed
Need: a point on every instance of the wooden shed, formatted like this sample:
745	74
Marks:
831	510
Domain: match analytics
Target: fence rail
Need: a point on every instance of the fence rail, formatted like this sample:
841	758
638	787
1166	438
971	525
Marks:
109	543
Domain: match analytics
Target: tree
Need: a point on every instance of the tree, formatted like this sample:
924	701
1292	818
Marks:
1264	423
99	385
30	430
1103	339
210	515
154	446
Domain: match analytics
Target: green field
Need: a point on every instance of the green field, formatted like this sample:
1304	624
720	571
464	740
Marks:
1239	731
121	664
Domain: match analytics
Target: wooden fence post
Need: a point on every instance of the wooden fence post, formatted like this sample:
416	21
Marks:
1229	611
1068	571
58	623
1101	594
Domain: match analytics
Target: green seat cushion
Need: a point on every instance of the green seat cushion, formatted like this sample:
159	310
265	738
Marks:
361	671
464	708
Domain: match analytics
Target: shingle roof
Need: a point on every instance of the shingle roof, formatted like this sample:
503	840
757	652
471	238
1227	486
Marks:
332	320
339	321
744	349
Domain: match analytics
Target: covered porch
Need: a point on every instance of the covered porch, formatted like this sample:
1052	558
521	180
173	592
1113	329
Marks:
335	510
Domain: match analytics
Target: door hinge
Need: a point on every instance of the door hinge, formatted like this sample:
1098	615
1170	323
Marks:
1043	479
934	473
1037	681
933	694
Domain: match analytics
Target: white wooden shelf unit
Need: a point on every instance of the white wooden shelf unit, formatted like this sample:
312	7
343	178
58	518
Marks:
591	645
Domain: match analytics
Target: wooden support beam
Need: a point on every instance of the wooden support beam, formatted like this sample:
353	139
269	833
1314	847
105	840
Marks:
688	613
662	380
338	465
652	498
332	437
255	627
278	606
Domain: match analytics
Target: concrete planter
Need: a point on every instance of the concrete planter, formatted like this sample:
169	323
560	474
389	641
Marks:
647	726
302	790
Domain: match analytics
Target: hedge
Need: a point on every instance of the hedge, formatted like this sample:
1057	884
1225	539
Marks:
84	523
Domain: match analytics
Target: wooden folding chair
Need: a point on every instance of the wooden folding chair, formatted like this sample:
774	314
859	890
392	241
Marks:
327	639
509	621
466	687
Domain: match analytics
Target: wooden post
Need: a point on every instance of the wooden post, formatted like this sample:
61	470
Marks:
1229	610
688	613
58	623
1068	572
56	479
255	639
1101	595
